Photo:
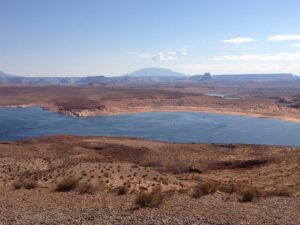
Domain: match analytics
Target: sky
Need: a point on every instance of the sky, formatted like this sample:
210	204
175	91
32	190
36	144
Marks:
115	37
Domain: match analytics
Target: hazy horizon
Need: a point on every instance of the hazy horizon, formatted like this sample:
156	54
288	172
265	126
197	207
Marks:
111	38
90	75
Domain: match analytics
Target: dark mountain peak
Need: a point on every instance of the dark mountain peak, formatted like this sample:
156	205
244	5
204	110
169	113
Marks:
155	72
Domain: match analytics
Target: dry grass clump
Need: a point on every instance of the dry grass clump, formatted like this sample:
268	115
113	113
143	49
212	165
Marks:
66	184
203	189
229	188
121	190
17	185
280	192
249	195
86	188
149	199
30	184
183	191
27	184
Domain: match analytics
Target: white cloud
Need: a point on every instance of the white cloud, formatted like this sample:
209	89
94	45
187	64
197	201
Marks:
296	45
239	40
281	57
170	55
167	55
288	37
164	56
183	51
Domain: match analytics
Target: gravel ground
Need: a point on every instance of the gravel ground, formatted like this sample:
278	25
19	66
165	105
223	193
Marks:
96	216
44	207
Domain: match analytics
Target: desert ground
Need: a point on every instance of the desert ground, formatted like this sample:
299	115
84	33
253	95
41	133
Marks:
103	180
273	100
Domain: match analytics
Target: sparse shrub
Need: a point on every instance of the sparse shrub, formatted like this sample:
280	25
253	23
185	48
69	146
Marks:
203	189
30	184
17	185
248	195
121	190
281	192
86	188
183	191
151	199
155	164
142	188
66	184
228	188
27	184
165	182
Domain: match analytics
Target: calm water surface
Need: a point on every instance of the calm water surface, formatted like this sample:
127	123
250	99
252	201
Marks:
16	124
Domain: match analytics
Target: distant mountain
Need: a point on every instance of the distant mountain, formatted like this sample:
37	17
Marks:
146	76
155	72
4	75
255	77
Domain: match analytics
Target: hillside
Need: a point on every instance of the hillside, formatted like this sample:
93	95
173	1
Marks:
32	171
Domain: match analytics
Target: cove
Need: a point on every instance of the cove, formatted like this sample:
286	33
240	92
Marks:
179	127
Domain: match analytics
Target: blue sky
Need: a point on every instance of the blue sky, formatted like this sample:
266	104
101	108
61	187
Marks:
114	37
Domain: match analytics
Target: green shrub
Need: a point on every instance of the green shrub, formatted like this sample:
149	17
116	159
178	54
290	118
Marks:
149	199
66	184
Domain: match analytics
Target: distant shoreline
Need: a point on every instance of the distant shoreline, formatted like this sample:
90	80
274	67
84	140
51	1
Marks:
146	109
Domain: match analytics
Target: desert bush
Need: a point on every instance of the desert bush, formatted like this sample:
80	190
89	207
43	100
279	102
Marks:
27	184
155	164
203	189
149	199
142	188
228	188
30	184
183	191
281	192
248	195
66	184
17	185
86	188
121	190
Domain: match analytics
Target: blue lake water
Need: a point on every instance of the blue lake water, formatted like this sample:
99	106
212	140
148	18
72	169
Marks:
182	127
